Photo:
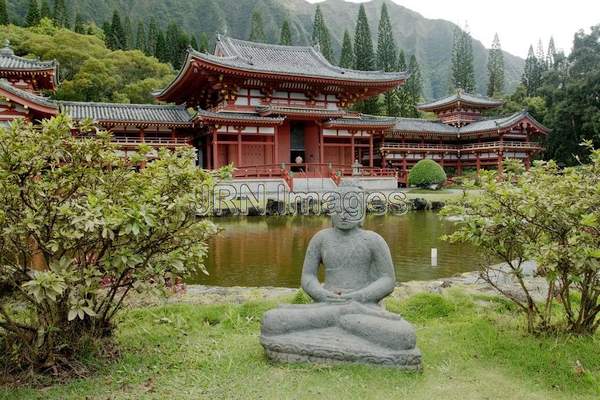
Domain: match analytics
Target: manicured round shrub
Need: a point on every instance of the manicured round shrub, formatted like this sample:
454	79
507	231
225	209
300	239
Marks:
426	173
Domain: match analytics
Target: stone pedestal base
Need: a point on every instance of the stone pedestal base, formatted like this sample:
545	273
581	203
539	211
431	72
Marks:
335	345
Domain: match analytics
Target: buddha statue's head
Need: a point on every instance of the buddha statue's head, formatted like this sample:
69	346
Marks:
347	207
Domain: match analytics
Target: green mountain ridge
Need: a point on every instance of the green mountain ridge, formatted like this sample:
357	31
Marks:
431	40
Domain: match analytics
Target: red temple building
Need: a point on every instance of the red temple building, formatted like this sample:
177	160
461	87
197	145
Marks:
280	113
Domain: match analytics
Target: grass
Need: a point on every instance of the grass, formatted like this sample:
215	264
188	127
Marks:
472	349
439	195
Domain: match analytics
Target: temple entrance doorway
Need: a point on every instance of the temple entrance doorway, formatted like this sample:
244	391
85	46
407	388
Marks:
297	149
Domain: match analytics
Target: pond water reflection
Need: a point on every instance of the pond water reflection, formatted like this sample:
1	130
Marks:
269	251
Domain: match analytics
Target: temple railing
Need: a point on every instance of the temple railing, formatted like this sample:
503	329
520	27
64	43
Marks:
454	148
419	146
149	140
289	171
503	144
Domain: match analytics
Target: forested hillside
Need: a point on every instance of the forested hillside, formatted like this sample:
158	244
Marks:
429	40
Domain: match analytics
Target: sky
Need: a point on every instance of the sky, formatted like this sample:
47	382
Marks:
518	23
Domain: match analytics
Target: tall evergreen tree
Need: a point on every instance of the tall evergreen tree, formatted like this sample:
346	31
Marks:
194	43
286	34
4	20
140	37
320	35
45	10
203	45
128	34
161	52
414	86
257	32
117	39
463	72
541	57
495	68
152	38
79	24
551	54
60	13
532	74
386	46
363	45
347	55
33	14
364	58
401	64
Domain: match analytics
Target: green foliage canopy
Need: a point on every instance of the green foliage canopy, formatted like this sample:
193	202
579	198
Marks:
426	172
80	229
88	70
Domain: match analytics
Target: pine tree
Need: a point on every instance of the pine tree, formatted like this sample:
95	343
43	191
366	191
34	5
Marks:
194	43
363	45
203	45
60	13
45	10
257	33
532	73
463	73
401	64
320	35
152	38
286	34
414	86
404	105
171	38
128	34
79	24
33	14
551	54
140	37
541	57
117	39
364	58
386	47
347	55
162	53
4	20
495	68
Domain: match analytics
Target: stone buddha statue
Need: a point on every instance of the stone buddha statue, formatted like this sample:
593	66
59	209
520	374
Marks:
346	322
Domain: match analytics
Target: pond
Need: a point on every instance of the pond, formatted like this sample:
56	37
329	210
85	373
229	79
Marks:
269	251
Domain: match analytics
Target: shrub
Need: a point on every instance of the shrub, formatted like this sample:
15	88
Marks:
80	229
547	215
426	173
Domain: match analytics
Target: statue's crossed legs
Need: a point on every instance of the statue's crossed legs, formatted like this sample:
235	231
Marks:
367	321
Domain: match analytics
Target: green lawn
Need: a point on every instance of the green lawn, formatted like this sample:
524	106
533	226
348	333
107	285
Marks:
438	195
472	349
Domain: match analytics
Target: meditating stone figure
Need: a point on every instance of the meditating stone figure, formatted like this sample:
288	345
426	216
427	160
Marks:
346	323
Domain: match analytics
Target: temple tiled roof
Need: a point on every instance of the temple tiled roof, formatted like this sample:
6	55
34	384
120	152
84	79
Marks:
24	94
287	60
250	117
423	125
500	123
362	120
285	110
143	113
461	96
9	61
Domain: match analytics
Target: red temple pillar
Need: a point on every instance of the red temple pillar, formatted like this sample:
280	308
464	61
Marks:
275	147
458	168
215	149
239	149
478	164
352	147
371	150
527	162
321	146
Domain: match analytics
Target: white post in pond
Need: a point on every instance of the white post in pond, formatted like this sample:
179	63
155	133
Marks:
434	257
